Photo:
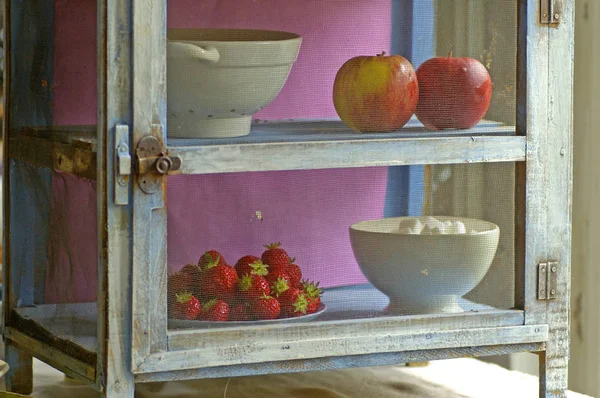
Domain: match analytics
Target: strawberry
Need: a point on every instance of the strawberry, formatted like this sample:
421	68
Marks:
311	289
295	273
280	285
209	257
313	305
251	287
293	303
275	257
191	269
215	311
313	295
193	272
265	307
218	281
186	307
239	312
179	282
273	276
251	265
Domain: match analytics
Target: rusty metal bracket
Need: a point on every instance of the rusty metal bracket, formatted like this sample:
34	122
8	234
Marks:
152	163
547	276
550	12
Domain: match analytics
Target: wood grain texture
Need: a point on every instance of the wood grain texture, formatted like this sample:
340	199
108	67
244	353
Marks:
19	378
558	202
317	144
114	222
324	330
149	212
292	145
67	328
63	157
533	190
52	356
349	361
83	136
300	347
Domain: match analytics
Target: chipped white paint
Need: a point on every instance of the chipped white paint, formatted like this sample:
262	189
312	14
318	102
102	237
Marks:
149	272
114	255
275	348
558	199
296	150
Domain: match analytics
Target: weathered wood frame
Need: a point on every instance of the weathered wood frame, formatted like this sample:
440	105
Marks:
134	344
115	77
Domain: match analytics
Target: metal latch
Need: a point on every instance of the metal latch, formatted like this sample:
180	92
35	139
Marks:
152	162
550	12
547	273
122	164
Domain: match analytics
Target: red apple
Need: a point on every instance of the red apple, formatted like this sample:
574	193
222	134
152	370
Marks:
376	93
454	93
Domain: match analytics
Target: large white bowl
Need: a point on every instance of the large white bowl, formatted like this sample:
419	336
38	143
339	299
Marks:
423	273
218	78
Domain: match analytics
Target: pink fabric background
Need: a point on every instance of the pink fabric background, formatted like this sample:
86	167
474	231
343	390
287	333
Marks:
309	211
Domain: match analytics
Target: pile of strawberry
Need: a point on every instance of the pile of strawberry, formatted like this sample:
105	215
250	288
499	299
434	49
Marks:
268	287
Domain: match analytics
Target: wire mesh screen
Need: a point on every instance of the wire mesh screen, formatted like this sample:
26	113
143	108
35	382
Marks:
53	226
339	244
333	69
53	250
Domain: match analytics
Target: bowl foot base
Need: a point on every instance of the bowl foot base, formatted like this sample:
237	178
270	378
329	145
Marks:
433	305
209	128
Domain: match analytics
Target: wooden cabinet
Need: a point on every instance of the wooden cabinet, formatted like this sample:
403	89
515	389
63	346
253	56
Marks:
89	224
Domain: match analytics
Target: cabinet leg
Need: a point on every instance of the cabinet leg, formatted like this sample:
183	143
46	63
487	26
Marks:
19	378
119	390
119	384
553	376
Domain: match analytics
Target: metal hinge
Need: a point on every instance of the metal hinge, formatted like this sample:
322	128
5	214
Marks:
550	12
122	164
547	272
153	162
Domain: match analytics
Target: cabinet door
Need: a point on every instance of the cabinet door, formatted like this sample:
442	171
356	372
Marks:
149	207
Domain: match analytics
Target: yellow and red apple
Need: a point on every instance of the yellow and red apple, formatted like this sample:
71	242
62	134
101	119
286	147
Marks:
376	93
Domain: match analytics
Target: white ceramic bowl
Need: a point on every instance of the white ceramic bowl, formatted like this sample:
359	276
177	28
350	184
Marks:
423	273
218	78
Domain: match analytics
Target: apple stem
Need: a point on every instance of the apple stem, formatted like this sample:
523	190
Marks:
382	54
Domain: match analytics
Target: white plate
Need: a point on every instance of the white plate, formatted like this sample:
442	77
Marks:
181	324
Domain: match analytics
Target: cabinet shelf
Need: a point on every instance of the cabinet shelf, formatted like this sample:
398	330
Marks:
286	145
363	313
322	144
347	304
